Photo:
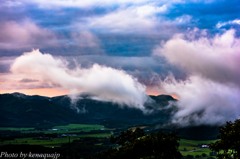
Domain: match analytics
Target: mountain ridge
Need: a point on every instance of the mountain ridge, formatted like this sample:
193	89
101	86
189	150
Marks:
25	110
19	110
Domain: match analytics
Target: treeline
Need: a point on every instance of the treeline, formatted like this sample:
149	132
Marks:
135	144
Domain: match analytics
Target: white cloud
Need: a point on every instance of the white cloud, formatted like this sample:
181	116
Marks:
231	22
25	34
183	19
143	19
141	16
149	10
131	19
202	101
211	93
214	58
104	82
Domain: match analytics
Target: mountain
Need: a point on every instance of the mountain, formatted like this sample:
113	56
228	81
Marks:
19	110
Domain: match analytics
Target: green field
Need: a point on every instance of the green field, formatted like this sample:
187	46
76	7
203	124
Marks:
62	134
83	127
53	142
193	147
76	128
70	128
43	142
15	129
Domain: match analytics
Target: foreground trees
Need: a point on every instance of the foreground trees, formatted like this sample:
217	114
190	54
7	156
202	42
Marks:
135	144
228	147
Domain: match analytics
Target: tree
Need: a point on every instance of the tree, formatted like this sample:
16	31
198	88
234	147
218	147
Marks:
229	144
127	136
135	144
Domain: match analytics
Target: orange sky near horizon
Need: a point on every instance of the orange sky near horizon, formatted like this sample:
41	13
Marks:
52	92
49	92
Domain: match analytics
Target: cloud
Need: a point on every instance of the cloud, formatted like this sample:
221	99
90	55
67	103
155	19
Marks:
93	3
148	70
82	4
203	101
26	80
148	18
228	23
5	63
210	95
79	42
12	3
90	3
103	82
127	19
85	39
15	82
214	58
24	34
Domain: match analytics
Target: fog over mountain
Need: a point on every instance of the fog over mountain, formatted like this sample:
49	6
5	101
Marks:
19	110
211	92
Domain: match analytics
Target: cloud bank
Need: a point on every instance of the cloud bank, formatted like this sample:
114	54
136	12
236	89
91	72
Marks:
214	58
211	93
105	83
202	101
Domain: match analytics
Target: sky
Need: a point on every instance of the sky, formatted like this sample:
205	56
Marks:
122	50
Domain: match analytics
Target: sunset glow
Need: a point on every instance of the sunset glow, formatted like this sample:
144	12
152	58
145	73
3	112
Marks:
49	92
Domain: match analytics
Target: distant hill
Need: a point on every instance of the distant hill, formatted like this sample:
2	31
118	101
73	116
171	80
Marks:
19	110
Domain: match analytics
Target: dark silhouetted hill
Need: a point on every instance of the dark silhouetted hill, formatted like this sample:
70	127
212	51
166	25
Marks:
19	110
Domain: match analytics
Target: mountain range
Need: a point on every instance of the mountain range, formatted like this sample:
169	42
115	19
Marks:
20	110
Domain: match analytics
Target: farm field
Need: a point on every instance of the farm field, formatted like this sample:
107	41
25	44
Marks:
196	148
55	136
59	129
82	133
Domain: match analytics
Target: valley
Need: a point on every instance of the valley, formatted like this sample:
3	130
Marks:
55	124
97	136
